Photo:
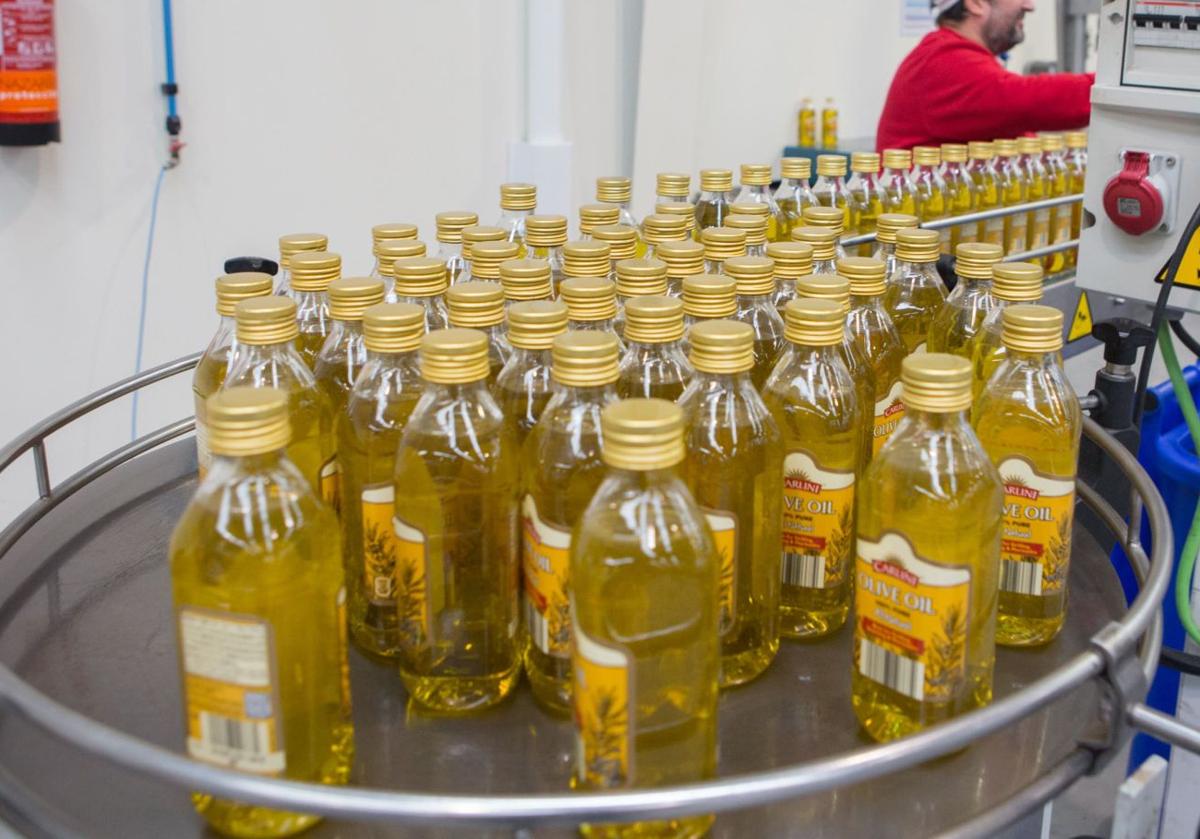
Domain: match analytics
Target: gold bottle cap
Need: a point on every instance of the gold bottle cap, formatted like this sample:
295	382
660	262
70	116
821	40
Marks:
974	260
475	304
589	298
381	233
753	224
454	356
1077	139
749	208
1029	145
754	275
393	327
614	189
266	320
684	209
716	180
831	217
756	174
981	150
487	256
814	322
477	233
314	270
389	251
927	155
518	196
916	245
621	238
533	324
641	277
1033	329
587	258
792	259
661	227
654	320
1053	142
867	276
721	243
795	168
232	288
350	297
546	231
684	257
294	243
244	421
1017	281
825	287
864	161
936	382
450	224
831	165
526	279
673	184
420	276
709	296
1005	148
897	159
721	346
954	152
889	224
822	239
642	434
585	358
592	216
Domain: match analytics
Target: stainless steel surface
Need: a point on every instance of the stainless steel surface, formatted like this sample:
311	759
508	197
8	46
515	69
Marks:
1166	728
981	215
1037	253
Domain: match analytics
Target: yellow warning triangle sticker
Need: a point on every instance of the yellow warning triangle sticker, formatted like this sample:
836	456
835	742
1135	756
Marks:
1081	324
1188	274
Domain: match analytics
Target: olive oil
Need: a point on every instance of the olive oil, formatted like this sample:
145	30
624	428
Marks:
981	167
653	364
524	386
960	191
888	226
1076	163
457	529
644	616
544	239
733	468
897	182
720	244
618	191
423	281
638	278
806	124
383	235
823	241
873	331
486	258
755	220
915	292
592	216
793	260
1058	179
526	279
450	226
793	194
384	396
755	278
1033	172
970	301
867	197
933	196
480	305
591	304
1012	282
292	244
929	512
829	125
684	259
517	203
830	219
311	274
1029	422
1014	190
214	362
386	254
716	194
815	402
830	188
756	189
663	227
707	297
258	593
561	469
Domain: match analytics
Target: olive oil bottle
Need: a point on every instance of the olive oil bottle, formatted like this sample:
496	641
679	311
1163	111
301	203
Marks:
829	218
291	244
544	239
480	305
686	209
720	244
960	191
592	216
423	281
450	227
622	242
486	258
815	403
970	301
591	304
472	236
1014	189
888	225
716	194
915	292
618	191
386	255
383	235
754	220
1058	178
645	618
733	468
638	278
981	167
872	329
258	593
1029	422
524	386
898	183
830	189
755	278
561	469
517	203
806	124
672	187
793	194
1033	172
867	197
929	512
458	555
756	189
707	297
587	258
214	362
823	241
266	357
933	196
311	274
663	227
793	260
526	279
684	259
653	364
1076	160
344	353
384	396
1012	282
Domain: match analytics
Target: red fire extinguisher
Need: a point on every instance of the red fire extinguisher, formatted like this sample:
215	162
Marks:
28	76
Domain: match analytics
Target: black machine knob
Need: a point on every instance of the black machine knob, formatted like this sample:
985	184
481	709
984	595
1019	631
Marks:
1122	338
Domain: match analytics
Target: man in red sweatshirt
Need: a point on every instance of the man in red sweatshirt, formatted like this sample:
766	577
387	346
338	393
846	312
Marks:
952	89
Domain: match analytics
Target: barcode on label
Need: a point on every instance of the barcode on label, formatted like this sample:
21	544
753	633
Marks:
803	570
1021	577
235	739
903	675
539	630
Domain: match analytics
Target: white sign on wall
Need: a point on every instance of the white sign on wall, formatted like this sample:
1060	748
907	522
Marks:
916	18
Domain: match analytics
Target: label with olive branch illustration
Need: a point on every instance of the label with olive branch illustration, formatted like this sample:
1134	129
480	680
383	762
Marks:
889	410
1035	547
724	527
912	616
546	553
818	523
603	682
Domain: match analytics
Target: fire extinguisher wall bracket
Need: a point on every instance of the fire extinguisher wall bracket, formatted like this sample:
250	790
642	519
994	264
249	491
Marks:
28	74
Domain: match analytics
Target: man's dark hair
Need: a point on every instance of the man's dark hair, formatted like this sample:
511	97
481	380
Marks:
957	12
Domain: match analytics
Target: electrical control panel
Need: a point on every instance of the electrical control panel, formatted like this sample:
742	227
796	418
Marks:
1162	44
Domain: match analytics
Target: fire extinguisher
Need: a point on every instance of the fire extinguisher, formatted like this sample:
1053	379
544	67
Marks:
28	75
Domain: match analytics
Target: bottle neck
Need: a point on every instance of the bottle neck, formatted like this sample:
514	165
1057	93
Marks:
460	391
588	394
527	358
909	267
1037	360
392	359
722	381
225	466
937	420
646	478
809	354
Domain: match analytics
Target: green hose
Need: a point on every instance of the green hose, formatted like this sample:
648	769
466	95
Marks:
1187	559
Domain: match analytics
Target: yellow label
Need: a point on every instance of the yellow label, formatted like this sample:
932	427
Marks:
724	530
910	633
888	412
1188	273
231	691
1039	230
380	545
1081	323
1035	546
818	523
418	590
546	554
330	481
343	651
602	695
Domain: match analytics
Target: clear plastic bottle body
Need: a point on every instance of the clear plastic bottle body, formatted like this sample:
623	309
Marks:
1014	189
760	312
257	556
986	182
880	345
754	194
512	222
339	363
914	297
960	190
831	191
792	196
654	371
1076	163
986	349
437	316
451	254
1037	223
207	380
901	191
712	208
456	511
885	252
499	349
932	494
1058	182
867	201
554	256
312	314
933	198
607	325
523	389
956	324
